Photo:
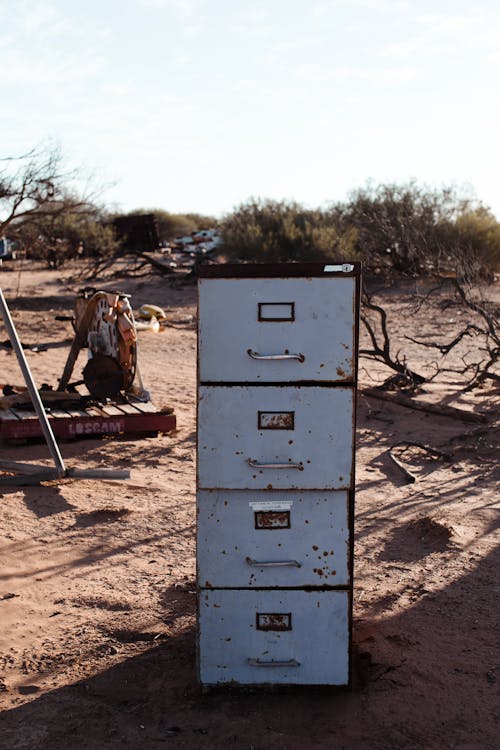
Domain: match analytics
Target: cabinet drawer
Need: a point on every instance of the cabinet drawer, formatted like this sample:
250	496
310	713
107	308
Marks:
299	539
285	637
308	323
275	437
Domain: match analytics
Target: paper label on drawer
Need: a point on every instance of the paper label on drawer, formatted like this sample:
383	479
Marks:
271	504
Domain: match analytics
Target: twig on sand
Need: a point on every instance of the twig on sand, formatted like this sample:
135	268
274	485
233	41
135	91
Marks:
411	478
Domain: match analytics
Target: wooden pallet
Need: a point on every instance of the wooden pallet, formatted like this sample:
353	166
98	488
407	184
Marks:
73	424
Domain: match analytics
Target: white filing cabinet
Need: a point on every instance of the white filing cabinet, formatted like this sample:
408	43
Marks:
277	366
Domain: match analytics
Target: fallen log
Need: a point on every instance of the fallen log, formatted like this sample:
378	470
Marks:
413	403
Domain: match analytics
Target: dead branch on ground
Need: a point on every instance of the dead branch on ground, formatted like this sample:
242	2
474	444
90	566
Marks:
381	342
488	332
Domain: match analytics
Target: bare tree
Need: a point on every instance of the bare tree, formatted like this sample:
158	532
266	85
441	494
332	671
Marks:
33	183
41	207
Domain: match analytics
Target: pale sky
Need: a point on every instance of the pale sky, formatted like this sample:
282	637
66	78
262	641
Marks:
198	105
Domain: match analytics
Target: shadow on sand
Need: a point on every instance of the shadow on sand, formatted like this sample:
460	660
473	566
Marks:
152	700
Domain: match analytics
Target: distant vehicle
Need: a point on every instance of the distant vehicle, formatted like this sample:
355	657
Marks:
7	249
187	240
204	234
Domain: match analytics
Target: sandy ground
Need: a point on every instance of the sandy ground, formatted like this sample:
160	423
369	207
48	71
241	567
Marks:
97	579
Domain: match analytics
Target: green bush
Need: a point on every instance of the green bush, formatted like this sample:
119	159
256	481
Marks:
402	228
266	230
474	243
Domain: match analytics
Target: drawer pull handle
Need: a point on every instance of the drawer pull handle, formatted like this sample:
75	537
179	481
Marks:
273	564
259	465
272	663
256	355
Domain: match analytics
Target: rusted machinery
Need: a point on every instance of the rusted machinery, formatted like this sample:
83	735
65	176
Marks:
104	323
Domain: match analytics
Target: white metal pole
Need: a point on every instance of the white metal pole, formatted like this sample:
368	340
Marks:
30	383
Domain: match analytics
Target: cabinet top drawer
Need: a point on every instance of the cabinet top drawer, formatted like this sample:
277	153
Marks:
277	329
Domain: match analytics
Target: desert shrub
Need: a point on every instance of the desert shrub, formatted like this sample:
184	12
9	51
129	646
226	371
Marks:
267	230
472	243
416	230
58	235
397	225
403	228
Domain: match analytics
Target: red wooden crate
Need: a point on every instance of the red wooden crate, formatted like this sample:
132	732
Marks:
132	417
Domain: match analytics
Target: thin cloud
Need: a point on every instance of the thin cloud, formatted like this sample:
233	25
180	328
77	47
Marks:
317	73
439	34
43	18
325	7
19	68
184	9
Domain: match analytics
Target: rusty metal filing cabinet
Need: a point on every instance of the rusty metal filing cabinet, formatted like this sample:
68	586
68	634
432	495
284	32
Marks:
277	366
